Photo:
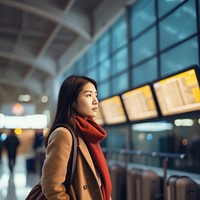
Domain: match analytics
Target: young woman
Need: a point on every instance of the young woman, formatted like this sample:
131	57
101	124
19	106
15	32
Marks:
77	105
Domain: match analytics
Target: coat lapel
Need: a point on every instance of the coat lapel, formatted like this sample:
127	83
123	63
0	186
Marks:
85	152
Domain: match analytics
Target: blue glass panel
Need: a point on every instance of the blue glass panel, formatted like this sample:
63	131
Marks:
104	70
147	72
119	34
93	74
103	47
104	90
178	26
91	57
165	6
180	57
120	61
80	67
144	46
116	137
66	74
120	83
142	16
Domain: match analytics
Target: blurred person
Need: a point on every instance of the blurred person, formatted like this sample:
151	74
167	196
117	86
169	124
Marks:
38	140
37	144
1	148
11	144
77	105
194	151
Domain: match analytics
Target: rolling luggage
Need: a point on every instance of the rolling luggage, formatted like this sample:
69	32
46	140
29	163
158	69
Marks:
142	184
182	188
118	178
134	184
150	185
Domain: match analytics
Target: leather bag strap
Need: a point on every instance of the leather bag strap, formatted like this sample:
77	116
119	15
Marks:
72	160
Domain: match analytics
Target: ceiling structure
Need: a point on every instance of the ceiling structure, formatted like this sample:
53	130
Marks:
39	40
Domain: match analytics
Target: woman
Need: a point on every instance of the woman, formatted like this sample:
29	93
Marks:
77	105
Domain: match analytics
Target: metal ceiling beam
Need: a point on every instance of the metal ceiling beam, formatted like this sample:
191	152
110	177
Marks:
33	85
101	22
17	42
50	39
42	51
28	60
72	54
73	20
4	94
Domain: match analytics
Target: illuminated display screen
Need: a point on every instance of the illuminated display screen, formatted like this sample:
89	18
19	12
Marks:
179	93
139	103
99	118
113	111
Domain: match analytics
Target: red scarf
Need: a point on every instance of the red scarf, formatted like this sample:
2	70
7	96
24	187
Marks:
93	134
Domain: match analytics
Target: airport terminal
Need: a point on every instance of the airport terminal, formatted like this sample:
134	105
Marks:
144	56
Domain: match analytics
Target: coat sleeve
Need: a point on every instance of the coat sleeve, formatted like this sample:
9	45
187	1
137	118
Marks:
55	165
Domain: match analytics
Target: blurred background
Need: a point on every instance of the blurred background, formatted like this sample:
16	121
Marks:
145	58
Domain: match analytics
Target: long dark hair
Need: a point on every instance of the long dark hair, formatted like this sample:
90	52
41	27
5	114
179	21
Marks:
68	94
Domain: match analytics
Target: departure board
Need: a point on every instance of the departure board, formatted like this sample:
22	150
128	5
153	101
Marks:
113	110
99	118
179	93
139	103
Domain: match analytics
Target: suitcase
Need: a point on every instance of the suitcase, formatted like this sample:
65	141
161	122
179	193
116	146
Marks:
134	176
150	185
182	188
142	184
118	178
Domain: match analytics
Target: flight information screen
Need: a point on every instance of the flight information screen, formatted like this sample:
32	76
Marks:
179	93
139	103
99	118
113	110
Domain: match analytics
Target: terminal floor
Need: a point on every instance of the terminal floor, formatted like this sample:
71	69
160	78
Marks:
17	185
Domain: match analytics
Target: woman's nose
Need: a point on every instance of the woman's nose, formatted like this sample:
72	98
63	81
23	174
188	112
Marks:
95	101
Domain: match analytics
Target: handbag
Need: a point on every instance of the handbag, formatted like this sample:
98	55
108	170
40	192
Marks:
36	191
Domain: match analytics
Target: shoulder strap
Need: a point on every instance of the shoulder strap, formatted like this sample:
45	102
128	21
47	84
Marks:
72	160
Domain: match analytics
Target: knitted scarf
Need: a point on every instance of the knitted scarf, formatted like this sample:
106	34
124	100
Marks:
93	134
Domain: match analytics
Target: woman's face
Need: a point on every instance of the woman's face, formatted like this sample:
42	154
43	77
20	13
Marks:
87	103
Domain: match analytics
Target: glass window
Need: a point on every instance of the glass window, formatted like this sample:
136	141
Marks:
120	61
178	26
68	73
103	47
147	137
91	57
104	90
180	57
144	47
120	83
142	16
117	139
93	74
119	34
145	73
105	70
79	66
165	6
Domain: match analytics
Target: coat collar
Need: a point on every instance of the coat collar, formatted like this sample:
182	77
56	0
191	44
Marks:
86	154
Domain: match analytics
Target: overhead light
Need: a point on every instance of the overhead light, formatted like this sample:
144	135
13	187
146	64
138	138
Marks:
24	98
18	109
153	126
44	99
184	122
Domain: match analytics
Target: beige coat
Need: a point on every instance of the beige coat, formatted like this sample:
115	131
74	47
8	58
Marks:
86	184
